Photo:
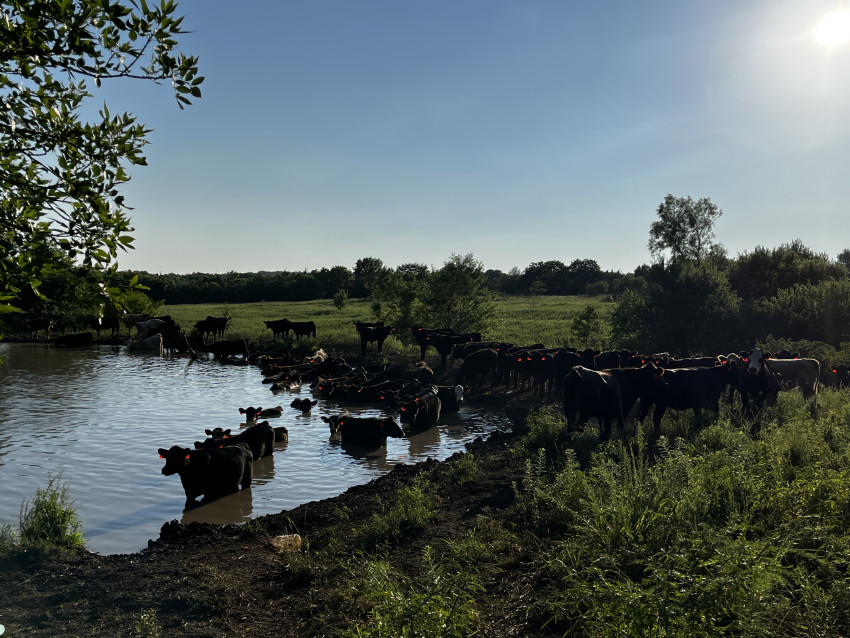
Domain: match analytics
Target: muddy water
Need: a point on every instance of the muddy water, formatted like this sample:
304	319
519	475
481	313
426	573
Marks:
98	416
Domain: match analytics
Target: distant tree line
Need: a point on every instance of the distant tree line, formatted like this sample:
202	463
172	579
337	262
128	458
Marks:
581	276
692	298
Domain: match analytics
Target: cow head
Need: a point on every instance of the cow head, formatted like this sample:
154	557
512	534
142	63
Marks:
250	413
176	459
754	361
336	421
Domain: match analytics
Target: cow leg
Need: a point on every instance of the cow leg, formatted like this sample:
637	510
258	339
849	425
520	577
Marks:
247	475
658	415
604	428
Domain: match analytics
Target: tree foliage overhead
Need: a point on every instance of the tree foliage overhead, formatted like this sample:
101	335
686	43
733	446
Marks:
685	227
61	175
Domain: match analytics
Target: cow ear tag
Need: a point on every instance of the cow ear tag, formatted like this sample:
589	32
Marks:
187	456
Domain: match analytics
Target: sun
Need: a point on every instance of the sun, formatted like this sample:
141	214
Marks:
834	28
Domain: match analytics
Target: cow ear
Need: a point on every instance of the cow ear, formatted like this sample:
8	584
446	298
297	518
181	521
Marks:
163	452
198	446
208	432
767	355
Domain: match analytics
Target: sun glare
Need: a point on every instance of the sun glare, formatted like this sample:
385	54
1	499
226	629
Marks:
834	28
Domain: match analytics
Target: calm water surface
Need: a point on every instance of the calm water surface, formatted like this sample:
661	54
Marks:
98	416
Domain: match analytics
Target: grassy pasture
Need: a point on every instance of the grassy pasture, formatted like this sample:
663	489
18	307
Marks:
521	320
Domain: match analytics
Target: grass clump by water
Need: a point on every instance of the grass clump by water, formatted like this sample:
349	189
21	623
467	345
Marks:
439	603
712	534
48	520
415	505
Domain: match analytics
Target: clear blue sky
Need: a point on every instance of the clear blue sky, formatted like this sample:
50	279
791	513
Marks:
518	131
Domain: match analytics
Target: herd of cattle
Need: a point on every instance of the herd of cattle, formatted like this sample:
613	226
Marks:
606	386
222	463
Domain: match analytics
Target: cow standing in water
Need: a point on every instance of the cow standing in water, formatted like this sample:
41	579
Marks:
212	473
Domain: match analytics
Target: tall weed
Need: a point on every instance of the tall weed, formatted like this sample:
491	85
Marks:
48	520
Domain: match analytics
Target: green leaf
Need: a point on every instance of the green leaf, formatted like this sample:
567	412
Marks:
7	309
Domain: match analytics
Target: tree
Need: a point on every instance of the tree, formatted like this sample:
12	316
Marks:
340	299
367	274
682	307
844	259
60	174
552	274
762	273
685	227
458	297
582	273
587	328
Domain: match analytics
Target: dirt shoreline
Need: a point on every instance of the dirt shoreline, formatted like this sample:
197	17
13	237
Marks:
212	580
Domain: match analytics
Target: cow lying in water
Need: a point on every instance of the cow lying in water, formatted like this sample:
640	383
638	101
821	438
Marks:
369	431
212	473
422	412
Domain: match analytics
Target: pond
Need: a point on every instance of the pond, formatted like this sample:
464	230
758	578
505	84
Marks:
99	415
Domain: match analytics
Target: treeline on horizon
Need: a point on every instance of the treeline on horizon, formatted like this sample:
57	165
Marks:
580	277
682	304
686	305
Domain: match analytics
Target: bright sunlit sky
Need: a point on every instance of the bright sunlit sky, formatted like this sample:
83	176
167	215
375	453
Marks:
521	131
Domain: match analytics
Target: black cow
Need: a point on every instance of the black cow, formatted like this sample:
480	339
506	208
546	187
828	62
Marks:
422	413
444	344
212	473
606	394
252	413
423	336
278	327
303	329
305	404
476	366
695	388
372	334
110	323
219	325
836	376
206	327
259	439
791	373
368	431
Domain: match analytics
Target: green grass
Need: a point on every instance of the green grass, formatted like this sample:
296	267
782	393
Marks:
711	534
47	520
519	320
414	506
440	603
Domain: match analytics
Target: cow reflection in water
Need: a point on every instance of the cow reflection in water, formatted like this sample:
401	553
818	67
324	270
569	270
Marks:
372	457
424	442
233	508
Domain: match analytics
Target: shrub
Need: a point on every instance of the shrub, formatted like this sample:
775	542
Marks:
47	520
50	519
